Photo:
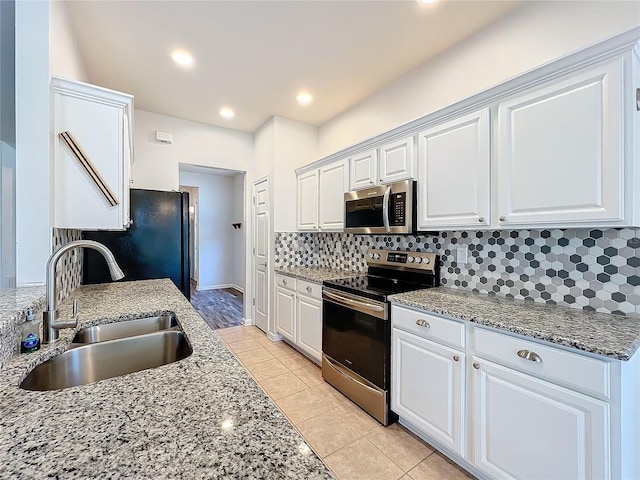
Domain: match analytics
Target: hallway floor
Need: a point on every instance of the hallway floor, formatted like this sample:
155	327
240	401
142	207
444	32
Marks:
350	442
220	308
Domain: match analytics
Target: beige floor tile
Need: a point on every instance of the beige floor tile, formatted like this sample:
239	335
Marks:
438	467
360	420
229	331
238	337
264	340
401	446
280	349
295	361
332	395
307	404
283	385
250	357
311	375
327	432
361	460
244	345
268	369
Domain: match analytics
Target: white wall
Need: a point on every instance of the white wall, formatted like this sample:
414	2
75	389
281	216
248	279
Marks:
296	144
156	165
33	168
216	238
65	57
239	257
533	34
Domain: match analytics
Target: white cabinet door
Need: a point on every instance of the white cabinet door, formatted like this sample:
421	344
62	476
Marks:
525	428
308	201
364	169
286	313
334	182
309	328
453	173
427	388
397	160
560	158
101	123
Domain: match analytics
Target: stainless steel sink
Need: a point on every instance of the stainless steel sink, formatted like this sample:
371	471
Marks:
128	328
94	362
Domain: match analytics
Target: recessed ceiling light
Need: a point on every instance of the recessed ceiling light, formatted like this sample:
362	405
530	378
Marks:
182	58
426	2
227	113
304	98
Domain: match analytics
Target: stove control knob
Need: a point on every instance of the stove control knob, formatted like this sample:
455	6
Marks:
418	260
376	256
370	254
410	259
426	260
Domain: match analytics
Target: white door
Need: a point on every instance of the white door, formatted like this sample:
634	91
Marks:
560	151
308	201
364	169
453	169
526	428
397	160
428	388
309	334
286	313
261	255
334	182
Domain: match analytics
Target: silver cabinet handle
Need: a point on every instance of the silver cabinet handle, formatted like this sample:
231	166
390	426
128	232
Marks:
423	323
284	281
262	264
309	289
456	358
529	355
476	365
503	218
481	219
385	209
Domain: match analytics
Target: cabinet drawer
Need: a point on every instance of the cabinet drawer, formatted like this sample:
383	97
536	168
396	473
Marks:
310	289
587	374
429	326
285	282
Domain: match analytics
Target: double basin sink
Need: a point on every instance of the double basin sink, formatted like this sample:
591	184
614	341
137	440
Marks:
112	350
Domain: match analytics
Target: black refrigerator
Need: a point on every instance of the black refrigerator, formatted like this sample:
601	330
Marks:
156	245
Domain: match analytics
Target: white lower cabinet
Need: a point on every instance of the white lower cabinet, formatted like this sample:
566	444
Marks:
517	408
428	387
299	314
526	428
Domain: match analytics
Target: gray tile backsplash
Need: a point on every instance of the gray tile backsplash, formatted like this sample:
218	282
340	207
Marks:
69	272
590	269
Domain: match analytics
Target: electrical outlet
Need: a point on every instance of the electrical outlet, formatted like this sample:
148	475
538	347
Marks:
462	254
338	248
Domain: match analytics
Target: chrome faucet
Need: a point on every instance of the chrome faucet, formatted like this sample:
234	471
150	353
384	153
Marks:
50	322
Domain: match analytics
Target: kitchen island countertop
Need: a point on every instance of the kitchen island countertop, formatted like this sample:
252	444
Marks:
201	417
603	334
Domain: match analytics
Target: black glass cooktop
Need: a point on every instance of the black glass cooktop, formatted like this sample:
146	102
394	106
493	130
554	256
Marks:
373	286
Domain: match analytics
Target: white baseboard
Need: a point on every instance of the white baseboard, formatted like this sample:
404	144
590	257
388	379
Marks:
274	337
219	287
247	322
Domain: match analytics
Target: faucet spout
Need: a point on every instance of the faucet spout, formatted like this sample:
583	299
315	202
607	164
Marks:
51	324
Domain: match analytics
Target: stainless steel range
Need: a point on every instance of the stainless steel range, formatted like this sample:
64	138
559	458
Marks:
356	325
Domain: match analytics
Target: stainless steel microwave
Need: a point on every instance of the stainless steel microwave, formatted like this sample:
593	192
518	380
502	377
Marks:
384	209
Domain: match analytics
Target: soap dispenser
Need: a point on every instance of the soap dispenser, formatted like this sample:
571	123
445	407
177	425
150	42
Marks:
30	340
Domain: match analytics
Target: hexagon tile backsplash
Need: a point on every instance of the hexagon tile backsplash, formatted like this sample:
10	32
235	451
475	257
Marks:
591	269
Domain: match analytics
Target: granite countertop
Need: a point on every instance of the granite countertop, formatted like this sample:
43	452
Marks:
608	335
316	274
201	417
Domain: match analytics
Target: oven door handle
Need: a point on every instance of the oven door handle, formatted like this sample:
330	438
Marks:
364	307
385	209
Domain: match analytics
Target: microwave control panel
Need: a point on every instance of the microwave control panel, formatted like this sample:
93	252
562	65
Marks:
399	207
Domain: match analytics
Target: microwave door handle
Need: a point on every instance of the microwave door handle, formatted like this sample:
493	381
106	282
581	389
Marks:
385	209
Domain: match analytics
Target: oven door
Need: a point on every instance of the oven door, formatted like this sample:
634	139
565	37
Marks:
356	332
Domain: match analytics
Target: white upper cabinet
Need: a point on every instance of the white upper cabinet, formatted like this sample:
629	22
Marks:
560	156
391	162
454	173
100	122
308	201
334	182
397	160
364	169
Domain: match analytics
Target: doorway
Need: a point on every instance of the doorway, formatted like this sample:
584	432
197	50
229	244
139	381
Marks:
261	257
216	243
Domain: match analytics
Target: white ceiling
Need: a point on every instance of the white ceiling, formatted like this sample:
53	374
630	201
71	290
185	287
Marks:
254	56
